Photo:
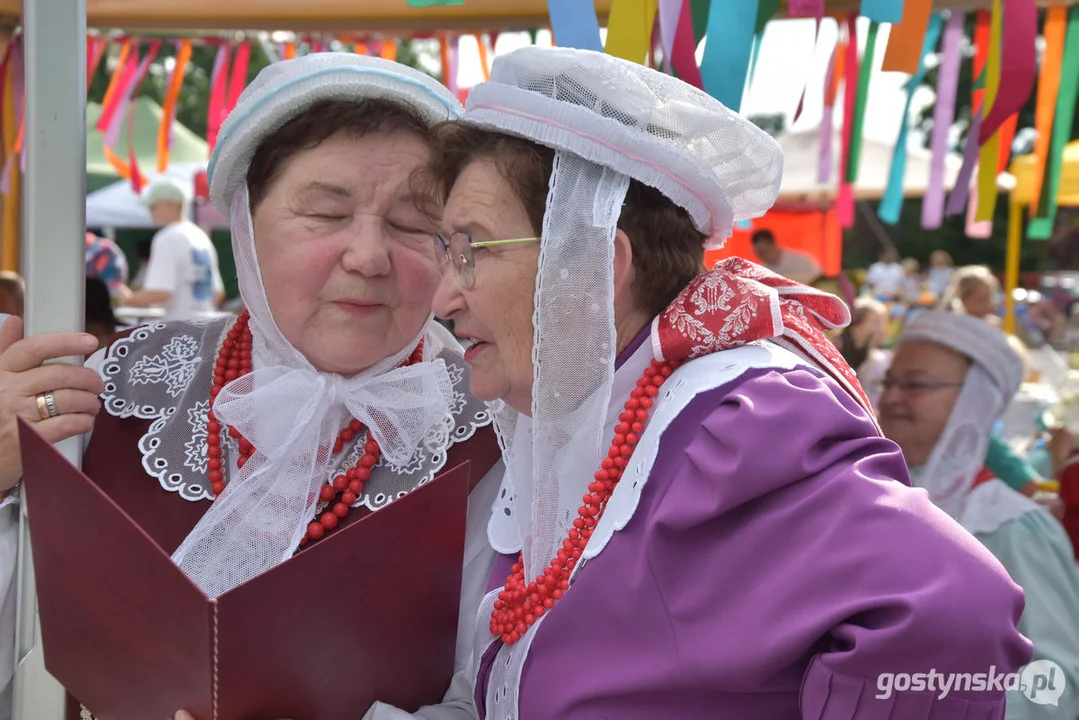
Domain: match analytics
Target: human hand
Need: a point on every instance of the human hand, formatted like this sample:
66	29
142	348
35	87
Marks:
24	377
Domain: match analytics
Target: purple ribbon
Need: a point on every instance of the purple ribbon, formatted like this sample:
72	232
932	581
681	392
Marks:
669	12
957	200
824	167
943	117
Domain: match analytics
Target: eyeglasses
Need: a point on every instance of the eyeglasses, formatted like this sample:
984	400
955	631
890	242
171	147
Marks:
458	250
913	387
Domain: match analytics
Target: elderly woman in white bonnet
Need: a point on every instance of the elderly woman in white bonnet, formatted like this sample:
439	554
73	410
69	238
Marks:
207	423
952	377
699	518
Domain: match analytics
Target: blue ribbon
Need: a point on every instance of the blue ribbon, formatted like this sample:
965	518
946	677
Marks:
731	27
574	24
884	11
892	202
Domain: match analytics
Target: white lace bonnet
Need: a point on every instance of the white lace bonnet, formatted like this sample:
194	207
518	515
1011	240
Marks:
610	121
992	380
287	408
284	89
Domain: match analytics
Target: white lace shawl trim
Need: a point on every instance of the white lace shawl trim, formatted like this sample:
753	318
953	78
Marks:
690	380
992	504
163	372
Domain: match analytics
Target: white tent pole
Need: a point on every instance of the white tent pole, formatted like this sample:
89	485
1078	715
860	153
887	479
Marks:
53	255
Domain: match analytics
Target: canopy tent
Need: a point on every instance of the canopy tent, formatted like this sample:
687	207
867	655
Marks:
187	147
118	206
802	160
380	15
804	217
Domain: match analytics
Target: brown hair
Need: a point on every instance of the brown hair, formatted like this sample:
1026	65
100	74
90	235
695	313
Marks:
320	121
668	250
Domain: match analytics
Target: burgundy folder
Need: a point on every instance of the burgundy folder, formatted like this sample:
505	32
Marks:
368	613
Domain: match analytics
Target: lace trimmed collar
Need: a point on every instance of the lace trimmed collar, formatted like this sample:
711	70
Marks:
162	372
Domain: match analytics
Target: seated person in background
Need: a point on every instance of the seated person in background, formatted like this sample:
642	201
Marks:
12	290
142	254
974	291
100	320
886	278
106	261
182	273
860	344
791	264
951	378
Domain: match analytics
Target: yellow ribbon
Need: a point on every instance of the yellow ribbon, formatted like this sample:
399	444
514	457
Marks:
989	157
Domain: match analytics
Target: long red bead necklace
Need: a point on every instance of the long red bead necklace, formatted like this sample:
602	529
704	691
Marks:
233	361
519	606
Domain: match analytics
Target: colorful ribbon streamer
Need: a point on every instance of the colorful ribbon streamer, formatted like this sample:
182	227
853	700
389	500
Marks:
865	72
629	29
683	54
906	38
883	11
832	78
957	199
388	51
845	198
805	85
943	117
989	156
215	114
805	8
892	203
725	64
237	76
1017	63
1054	32
1041	227
669	13
574	24
95	50
172	95
699	12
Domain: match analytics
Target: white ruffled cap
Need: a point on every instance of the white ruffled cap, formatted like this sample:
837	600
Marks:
973	338
284	89
647	125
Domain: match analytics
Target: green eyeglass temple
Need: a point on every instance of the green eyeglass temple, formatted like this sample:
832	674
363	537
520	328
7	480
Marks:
495	243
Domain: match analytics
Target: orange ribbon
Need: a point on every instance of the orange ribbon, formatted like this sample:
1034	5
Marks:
905	41
482	44
117	73
290	50
176	83
1056	25
388	51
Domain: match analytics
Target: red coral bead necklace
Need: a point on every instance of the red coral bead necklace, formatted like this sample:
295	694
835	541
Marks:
338	495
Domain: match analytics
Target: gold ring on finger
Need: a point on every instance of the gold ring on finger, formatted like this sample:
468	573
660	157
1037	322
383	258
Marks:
50	404
42	407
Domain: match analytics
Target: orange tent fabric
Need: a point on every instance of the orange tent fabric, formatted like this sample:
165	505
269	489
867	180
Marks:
815	232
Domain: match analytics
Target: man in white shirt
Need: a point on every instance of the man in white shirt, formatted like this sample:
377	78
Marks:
886	278
182	273
791	264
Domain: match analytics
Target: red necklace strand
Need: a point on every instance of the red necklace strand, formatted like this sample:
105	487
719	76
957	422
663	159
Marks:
518	606
233	361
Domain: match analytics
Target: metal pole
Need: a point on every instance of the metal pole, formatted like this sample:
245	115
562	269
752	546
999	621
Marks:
53	257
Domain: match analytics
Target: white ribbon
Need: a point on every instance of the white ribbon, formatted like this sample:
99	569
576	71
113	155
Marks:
292	417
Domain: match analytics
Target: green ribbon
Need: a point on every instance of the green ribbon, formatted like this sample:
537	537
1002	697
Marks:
865	71
765	10
1041	225
699	10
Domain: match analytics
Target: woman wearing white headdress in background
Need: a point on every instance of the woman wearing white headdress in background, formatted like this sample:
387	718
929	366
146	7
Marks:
209	421
699	518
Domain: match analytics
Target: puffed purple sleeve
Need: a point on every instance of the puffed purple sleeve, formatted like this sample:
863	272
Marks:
785	488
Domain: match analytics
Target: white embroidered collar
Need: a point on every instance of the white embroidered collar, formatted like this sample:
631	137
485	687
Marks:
162	372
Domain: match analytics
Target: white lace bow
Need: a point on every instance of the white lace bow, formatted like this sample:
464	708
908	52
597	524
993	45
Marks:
293	416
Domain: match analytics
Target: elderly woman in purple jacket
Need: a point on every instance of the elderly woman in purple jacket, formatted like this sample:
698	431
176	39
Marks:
699	518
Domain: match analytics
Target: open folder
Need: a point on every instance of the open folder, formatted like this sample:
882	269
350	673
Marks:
367	613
